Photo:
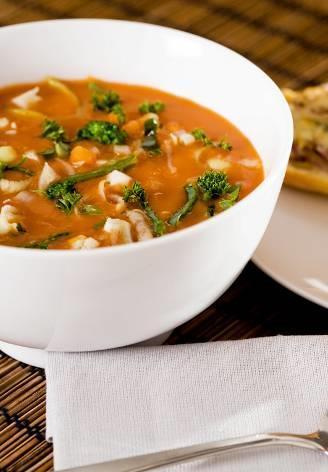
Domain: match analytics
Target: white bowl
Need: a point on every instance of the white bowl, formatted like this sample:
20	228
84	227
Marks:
109	297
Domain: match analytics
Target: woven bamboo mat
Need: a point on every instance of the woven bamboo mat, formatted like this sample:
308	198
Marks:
286	38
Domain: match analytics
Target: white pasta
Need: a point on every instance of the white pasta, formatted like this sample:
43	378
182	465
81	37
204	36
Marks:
83	242
13	186
119	231
47	177
139	222
28	98
8	219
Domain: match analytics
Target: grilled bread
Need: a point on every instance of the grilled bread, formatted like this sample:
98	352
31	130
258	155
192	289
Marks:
308	164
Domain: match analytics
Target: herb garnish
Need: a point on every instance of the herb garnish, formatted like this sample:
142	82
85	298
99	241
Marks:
44	244
4	166
192	197
213	184
55	132
107	101
200	135
147	107
64	192
99	224
150	142
137	194
230	198
103	132
90	210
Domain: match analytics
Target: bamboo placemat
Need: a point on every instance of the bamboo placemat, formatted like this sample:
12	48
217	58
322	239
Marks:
286	38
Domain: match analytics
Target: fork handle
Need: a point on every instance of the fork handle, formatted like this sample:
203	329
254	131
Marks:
188	454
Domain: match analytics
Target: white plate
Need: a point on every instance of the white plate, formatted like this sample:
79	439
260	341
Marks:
294	249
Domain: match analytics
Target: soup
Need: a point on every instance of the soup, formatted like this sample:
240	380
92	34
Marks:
86	164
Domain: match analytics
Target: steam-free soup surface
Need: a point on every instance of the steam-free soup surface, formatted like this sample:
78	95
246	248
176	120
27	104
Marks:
162	163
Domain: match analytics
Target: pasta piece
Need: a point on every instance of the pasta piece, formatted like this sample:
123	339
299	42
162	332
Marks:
119	203
118	180
121	149
118	230
139	222
31	155
47	176
7	154
8	219
218	164
23	113
82	242
13	186
28	98
61	87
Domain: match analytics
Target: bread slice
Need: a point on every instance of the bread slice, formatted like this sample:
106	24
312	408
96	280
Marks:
308	164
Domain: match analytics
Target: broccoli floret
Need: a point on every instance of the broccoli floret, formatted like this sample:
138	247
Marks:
65	195
200	135
102	131
231	198
192	197
213	184
107	101
56	133
137	194
147	107
64	192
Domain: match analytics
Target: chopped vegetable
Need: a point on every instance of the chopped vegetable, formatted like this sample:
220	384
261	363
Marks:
7	154
225	145
65	195
192	197
147	107
200	135
137	194
100	224
64	192
213	184
230	198
53	131
47	176
90	210
56	133
83	242
45	243
82	155
61	87
141	226
28	98
150	142
8	219
15	167
119	231
102	132
108	101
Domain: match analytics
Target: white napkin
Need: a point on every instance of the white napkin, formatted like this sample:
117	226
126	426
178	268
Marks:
113	404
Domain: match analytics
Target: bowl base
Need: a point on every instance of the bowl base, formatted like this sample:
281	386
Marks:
37	357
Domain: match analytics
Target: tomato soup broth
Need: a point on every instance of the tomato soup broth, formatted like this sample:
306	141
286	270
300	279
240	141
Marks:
85	164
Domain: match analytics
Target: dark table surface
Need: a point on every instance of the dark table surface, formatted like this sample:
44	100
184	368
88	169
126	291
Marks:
286	38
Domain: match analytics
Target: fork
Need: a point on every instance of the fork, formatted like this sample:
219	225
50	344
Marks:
317	441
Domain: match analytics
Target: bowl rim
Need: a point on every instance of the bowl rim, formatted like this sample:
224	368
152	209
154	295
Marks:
286	123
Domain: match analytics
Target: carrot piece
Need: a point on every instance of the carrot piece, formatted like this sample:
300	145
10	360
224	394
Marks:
113	118
80	154
133	128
